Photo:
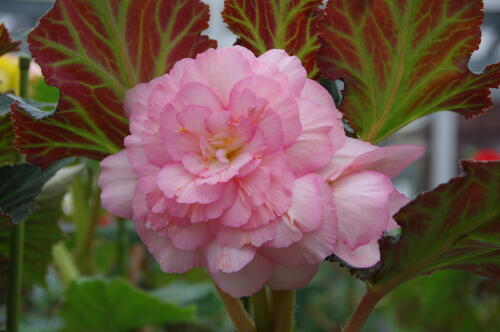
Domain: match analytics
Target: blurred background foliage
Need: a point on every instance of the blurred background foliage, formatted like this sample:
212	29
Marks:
92	273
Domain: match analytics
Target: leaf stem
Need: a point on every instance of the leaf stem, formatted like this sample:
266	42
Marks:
236	312
260	310
64	263
363	310
15	277
283	309
121	247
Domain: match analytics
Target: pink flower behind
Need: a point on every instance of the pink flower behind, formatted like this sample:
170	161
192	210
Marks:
364	197
219	169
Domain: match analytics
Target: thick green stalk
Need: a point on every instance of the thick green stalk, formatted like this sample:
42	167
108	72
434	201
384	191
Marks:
121	248
261	312
236	312
15	278
283	310
17	240
363	310
64	263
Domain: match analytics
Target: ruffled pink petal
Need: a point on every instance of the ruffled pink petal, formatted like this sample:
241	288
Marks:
220	70
246	281
237	214
286	233
197	94
270	125
314	247
307	206
202	194
291	277
245	103
361	257
345	156
281	103
189	237
288	65
361	202
396	201
135	152
171	259
173	178
205	212
192	119
117	182
256	184
390	160
237	237
227	259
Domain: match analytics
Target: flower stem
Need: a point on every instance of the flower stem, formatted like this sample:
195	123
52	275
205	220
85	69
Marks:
261	312
363	310
64	263
236	312
18	232
121	247
283	309
15	277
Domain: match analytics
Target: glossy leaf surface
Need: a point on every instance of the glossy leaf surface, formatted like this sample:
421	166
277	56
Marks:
94	51
403	59
20	184
6	43
287	24
455	226
115	306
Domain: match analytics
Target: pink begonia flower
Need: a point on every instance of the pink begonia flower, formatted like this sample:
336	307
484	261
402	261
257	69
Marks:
364	197
219	169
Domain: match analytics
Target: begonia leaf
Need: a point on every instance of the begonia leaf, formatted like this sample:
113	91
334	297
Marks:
8	154
20	184
116	306
42	230
94	51
454	226
6	43
286	24
404	59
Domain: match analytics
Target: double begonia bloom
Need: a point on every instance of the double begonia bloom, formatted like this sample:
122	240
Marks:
219	169
364	197
230	165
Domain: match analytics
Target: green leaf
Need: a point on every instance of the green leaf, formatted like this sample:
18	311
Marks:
8	154
402	60
286	24
41	233
455	226
20	184
42	230
6	43
44	93
94	51
115	306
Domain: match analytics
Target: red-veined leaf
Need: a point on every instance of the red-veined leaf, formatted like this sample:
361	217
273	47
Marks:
454	226
287	24
403	59
6	43
94	51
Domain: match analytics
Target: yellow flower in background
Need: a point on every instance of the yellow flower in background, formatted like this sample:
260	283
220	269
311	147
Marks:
9	73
